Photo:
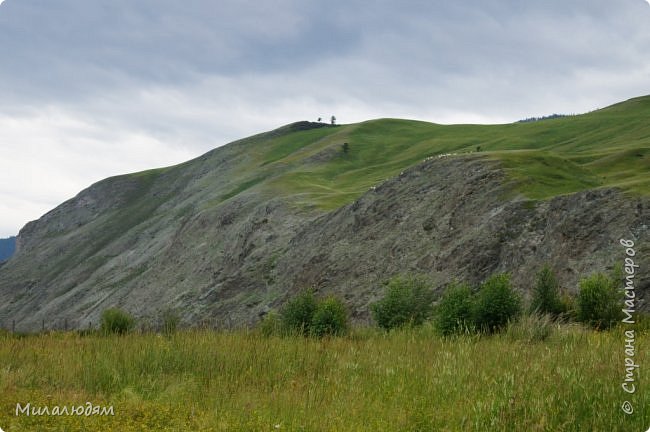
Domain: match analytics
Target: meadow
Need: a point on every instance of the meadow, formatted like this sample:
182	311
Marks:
369	380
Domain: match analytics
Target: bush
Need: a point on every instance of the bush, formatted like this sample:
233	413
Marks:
330	318
454	312
298	313
116	321
496	304
546	295
271	324
599	301
408	301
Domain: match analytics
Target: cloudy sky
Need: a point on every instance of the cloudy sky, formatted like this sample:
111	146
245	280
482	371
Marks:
94	88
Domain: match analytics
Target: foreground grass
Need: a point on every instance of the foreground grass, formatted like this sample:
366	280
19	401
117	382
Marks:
369	381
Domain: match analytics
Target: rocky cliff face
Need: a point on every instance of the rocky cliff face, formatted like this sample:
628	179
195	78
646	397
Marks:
172	239
458	218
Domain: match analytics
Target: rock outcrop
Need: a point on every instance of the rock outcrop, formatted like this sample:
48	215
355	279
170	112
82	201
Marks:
167	239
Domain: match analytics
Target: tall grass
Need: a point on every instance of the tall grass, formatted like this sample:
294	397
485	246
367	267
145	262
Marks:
405	380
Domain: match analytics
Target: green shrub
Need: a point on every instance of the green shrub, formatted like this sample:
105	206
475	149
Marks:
271	324
297	315
454	312
330	318
546	294
407	301
599	301
170	320
496	304
116	321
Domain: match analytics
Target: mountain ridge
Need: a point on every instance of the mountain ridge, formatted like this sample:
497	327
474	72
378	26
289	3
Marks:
232	232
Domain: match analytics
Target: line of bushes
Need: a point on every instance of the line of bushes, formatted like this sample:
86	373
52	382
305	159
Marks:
408	301
494	304
491	307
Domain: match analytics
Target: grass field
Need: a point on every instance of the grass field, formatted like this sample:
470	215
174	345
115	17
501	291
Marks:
410	380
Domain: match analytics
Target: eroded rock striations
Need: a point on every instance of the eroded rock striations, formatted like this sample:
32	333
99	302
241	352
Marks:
177	239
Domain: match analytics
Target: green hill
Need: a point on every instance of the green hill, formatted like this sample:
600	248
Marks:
235	231
608	147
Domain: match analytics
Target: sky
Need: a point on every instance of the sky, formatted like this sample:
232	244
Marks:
95	88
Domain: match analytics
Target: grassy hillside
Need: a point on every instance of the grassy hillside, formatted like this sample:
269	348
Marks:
410	380
609	147
306	162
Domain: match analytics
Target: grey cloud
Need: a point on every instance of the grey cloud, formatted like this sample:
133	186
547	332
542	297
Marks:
77	46
75	49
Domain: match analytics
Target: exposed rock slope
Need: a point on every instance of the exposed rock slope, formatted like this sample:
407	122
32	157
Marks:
179	238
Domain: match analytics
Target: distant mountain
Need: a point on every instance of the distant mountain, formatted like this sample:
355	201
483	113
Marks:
7	248
239	230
